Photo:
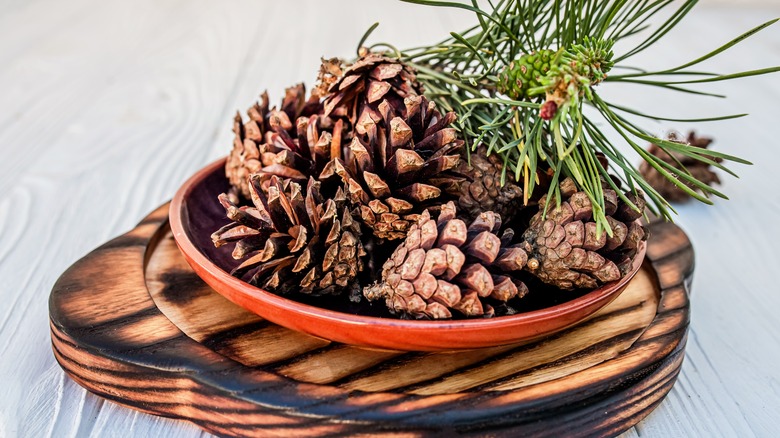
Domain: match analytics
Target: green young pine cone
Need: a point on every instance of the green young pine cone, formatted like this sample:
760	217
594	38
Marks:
563	76
524	74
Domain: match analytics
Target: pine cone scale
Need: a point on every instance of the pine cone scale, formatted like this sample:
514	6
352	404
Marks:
567	250
269	143
699	170
399	143
479	187
444	266
289	241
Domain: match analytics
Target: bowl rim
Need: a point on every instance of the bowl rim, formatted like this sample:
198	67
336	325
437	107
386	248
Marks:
194	255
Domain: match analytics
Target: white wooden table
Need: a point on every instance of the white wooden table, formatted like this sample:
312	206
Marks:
107	106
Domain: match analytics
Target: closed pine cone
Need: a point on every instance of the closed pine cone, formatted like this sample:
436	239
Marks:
564	248
444	266
481	189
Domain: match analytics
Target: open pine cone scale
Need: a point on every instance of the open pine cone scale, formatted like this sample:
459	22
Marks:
290	241
368	81
387	170
292	142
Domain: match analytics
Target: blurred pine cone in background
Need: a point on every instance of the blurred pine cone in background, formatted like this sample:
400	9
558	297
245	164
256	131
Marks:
699	170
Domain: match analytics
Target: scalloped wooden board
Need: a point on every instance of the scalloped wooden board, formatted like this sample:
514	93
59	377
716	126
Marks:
132	323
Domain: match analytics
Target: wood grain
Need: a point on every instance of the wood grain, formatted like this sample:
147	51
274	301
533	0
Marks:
165	343
234	332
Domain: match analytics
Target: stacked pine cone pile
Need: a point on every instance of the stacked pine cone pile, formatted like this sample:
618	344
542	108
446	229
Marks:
368	162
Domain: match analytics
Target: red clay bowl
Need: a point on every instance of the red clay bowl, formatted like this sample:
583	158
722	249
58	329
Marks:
195	214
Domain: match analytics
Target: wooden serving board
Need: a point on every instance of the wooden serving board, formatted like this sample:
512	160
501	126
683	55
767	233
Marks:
132	323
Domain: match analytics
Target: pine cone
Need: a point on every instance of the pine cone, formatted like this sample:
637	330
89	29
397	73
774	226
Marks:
290	242
331	70
391	164
481	189
565	250
373	78
524	74
286	142
699	170
444	265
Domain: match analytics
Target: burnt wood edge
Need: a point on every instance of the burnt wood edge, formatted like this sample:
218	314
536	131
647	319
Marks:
494	358
637	395
285	396
587	420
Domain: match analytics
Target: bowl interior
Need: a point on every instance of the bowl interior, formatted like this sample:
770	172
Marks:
202	214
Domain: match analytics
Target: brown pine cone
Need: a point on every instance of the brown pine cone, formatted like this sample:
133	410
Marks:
331	70
373	78
389	167
445	265
480	188
289	241
701	171
564	248
291	142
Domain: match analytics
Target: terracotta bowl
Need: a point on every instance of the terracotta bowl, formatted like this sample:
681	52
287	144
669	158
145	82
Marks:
195	214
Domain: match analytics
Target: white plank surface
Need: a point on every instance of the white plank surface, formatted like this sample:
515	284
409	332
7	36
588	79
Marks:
107	106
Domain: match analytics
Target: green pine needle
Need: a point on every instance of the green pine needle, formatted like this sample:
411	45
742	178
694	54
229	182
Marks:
461	74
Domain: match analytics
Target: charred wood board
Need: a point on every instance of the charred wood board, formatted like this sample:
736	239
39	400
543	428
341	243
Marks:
132	323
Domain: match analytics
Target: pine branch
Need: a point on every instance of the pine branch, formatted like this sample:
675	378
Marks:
538	123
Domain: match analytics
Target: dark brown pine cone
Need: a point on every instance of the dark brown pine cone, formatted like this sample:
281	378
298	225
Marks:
291	242
390	165
564	248
480	188
701	171
291	142
444	266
